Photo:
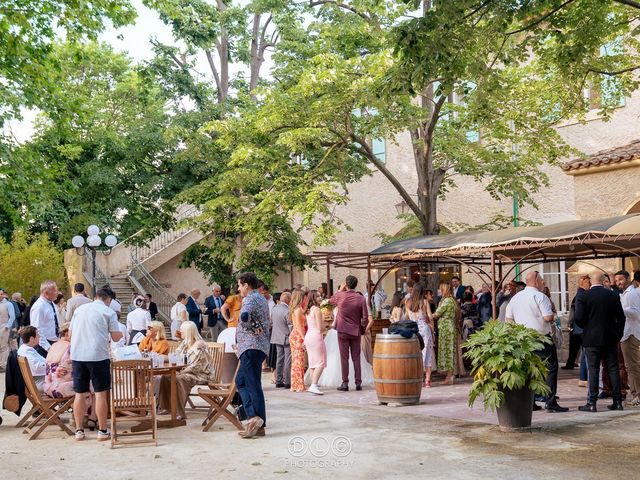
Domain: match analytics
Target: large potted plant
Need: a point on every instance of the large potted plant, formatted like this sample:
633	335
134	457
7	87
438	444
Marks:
507	372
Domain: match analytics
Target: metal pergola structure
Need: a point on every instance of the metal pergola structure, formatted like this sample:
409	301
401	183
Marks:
487	254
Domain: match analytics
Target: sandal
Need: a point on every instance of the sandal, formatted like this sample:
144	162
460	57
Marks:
427	384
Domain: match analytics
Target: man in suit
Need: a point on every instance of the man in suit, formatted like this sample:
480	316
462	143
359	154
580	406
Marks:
193	309
457	289
213	309
599	313
79	298
153	308
280	330
351	322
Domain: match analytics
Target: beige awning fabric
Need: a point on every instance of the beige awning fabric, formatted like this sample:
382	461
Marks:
598	238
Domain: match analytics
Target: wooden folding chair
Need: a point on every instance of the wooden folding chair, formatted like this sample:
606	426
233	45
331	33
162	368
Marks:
50	408
216	350
219	398
132	400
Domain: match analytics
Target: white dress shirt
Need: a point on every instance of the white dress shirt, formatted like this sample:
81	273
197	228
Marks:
115	306
529	307
37	364
124	341
90	328
42	317
139	319
631	305
176	318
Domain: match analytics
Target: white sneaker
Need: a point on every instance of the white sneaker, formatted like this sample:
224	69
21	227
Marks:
315	390
634	402
79	435
104	436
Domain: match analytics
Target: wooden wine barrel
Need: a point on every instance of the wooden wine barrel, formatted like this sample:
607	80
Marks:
397	369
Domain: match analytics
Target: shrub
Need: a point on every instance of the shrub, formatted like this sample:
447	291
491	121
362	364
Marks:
502	358
27	261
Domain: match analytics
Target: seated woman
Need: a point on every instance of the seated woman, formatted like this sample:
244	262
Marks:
37	364
58	380
199	369
156	340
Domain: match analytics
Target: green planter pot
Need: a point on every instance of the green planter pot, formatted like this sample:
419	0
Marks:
516	412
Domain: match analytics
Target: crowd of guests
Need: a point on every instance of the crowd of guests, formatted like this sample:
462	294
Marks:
69	344
73	358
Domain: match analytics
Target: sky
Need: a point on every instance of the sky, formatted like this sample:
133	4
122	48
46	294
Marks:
133	40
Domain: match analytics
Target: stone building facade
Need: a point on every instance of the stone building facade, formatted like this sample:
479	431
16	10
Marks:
604	181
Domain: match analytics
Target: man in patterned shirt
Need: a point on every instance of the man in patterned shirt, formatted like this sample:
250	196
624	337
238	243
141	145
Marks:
252	341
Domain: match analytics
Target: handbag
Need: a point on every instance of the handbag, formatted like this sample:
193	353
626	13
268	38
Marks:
556	335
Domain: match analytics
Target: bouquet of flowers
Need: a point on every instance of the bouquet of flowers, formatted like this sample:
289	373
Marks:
325	307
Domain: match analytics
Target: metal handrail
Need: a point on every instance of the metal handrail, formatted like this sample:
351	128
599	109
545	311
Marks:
164	239
141	277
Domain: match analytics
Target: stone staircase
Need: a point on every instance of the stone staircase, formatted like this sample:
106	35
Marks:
124	291
128	268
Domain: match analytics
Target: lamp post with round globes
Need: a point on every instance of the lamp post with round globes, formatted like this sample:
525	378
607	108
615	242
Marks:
93	243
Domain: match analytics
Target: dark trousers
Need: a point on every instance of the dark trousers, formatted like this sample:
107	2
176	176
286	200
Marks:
249	383
608	354
575	342
550	355
350	343
283	364
624	379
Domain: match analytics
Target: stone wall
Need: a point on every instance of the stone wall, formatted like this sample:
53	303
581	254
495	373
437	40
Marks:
371	208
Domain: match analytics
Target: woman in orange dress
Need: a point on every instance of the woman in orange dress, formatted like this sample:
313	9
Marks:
156	340
296	339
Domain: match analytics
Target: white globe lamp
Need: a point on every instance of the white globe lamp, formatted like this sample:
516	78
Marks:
94	240
110	241
93	230
77	241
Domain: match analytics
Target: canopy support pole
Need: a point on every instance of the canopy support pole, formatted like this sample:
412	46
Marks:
369	289
329	291
493	286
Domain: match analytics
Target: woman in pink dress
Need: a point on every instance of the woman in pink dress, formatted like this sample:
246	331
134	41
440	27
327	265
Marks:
314	341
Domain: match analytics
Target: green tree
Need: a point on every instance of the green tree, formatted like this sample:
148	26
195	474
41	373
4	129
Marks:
478	97
100	152
29	260
232	37
28	29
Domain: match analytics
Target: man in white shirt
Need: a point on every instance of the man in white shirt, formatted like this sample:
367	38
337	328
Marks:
115	305
37	363
93	326
79	298
264	291
44	317
630	342
532	308
7	319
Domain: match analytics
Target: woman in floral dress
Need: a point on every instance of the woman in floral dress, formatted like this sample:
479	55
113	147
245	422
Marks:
199	369
446	315
296	339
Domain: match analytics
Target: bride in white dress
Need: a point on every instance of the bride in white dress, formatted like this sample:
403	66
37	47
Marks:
332	374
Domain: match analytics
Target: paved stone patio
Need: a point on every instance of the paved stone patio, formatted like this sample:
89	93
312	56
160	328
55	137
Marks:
347	435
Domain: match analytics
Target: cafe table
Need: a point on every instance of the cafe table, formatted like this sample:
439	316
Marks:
174	421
